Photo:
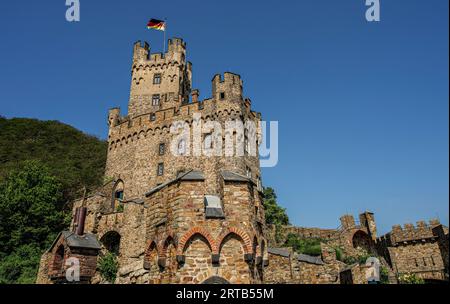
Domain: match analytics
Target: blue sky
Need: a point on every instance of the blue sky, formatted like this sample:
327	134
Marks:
362	107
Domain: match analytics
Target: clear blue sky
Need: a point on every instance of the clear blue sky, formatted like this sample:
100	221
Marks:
362	107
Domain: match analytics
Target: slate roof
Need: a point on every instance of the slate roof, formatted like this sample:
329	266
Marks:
188	176
310	259
192	175
300	257
73	240
279	251
230	176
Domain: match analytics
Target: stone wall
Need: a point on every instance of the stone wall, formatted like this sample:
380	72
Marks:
421	258
287	267
279	270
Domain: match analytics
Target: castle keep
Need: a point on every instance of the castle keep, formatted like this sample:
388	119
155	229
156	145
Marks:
174	210
172	217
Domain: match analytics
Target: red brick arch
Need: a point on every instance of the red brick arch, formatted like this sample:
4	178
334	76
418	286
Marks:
191	233
152	244
246	240
168	238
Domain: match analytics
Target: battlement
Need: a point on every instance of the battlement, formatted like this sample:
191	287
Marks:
123	128
176	45
227	86
176	51
411	233
141	51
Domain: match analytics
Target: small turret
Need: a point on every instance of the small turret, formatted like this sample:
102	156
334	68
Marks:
176	50
228	87
195	94
347	221
367	220
140	52
113	117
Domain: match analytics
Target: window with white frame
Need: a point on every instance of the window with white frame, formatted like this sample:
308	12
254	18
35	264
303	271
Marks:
157	79
155	99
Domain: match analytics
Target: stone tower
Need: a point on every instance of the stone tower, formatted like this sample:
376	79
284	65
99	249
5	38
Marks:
174	209
159	81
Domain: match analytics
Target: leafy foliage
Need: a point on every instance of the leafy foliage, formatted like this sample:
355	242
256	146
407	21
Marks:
31	208
108	267
310	246
30	217
20	267
410	278
74	158
359	259
43	165
275	215
120	208
339	253
384	275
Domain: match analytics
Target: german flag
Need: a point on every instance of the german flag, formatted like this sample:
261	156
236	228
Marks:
156	24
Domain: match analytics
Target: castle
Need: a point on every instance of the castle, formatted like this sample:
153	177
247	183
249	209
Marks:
172	217
174	214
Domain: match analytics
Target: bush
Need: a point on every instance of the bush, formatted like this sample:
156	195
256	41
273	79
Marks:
306	246
410	278
108	267
356	259
384	275
120	208
339	253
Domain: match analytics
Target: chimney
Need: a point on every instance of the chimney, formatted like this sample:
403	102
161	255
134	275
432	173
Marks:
75	219
80	220
195	93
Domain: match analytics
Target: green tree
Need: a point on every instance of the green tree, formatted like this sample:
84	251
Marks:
20	267
31	215
77	160
275	215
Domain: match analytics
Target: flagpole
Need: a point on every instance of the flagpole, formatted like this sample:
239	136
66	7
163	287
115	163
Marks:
165	28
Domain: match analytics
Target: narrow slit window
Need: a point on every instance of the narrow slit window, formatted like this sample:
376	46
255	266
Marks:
160	169
162	148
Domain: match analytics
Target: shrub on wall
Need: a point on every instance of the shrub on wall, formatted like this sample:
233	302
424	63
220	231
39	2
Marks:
410	278
384	275
108	267
309	246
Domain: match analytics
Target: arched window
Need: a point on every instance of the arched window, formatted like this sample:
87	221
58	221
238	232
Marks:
118	194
